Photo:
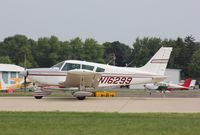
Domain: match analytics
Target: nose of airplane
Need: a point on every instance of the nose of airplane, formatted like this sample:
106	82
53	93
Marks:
24	73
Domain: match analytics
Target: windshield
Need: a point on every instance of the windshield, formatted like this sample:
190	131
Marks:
71	66
59	65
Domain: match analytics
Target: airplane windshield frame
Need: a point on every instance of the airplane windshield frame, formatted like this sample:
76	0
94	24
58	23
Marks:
71	66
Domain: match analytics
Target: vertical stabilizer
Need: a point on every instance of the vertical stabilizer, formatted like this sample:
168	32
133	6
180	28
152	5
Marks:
158	63
187	82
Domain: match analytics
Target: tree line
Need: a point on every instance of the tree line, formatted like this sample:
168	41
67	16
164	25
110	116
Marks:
46	52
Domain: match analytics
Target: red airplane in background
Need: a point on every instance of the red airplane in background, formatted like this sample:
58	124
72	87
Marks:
169	86
184	86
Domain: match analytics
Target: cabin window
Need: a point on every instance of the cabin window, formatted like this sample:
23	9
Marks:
13	76
71	66
5	77
100	69
88	67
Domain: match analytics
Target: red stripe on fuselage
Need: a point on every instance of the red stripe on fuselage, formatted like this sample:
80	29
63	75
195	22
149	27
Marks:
45	75
159	60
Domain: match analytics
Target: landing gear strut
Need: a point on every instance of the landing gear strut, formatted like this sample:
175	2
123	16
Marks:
81	94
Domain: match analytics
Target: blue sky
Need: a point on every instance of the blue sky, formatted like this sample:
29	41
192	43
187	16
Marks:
103	20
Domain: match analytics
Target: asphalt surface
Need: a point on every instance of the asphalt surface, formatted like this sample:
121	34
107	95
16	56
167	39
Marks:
101	104
155	93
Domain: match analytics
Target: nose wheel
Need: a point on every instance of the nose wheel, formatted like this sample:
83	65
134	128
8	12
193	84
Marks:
38	97
38	93
81	98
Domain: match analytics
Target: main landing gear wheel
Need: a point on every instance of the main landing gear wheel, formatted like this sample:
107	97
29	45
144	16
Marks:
81	98
38	97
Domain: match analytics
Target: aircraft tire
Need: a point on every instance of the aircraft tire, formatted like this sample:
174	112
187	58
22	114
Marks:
81	98
38	97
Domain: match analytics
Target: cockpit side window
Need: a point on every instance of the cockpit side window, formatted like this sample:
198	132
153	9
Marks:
88	67
71	66
59	65
100	69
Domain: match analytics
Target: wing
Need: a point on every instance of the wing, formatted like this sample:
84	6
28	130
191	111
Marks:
81	78
158	78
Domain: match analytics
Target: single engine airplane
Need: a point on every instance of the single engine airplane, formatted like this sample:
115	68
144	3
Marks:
162	86
88	76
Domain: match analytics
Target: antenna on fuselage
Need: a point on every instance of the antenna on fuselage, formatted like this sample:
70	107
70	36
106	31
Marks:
129	63
112	60
25	70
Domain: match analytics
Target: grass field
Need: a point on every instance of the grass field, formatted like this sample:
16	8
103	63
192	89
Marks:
61	123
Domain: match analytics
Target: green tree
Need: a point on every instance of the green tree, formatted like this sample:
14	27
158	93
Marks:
195	63
117	53
144	49
46	51
16	47
5	60
76	47
92	51
65	51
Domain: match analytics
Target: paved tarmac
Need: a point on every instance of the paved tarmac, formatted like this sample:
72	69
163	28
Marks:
101	104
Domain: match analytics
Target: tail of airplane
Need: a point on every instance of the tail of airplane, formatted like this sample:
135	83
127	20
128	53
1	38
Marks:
158	63
187	82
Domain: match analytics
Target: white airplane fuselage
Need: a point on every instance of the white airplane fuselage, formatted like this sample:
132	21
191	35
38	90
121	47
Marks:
112	76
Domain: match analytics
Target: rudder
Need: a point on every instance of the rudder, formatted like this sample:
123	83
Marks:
158	63
187	82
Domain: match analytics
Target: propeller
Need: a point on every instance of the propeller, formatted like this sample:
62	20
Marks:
24	73
25	82
112	59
